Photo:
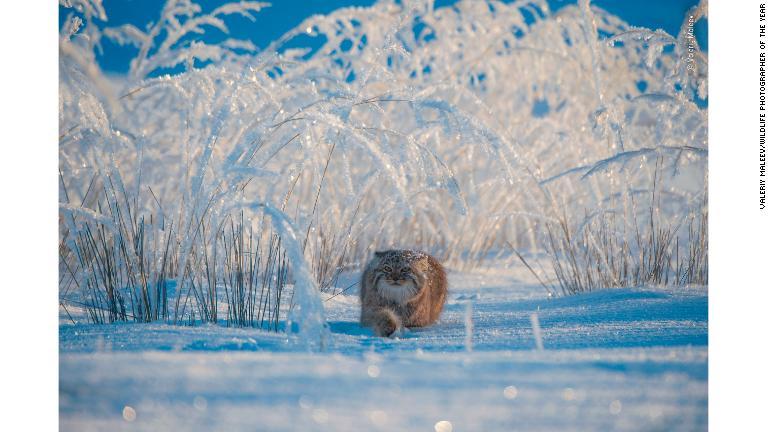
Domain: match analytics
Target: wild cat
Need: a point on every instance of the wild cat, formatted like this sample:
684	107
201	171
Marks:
401	288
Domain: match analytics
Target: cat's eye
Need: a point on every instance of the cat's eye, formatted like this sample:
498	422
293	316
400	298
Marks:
388	269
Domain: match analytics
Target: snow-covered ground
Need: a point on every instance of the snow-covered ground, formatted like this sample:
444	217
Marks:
619	359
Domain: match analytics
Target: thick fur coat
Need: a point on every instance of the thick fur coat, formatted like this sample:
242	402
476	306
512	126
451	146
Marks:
401	288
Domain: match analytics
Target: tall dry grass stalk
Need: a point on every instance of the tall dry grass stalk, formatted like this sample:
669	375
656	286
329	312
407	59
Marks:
601	255
126	267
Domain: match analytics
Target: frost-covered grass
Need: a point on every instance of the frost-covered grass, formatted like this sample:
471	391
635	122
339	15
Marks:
600	252
465	131
599	256
123	250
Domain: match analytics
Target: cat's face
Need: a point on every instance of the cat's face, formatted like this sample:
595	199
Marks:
398	274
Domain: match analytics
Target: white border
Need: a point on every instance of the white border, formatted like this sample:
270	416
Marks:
738	266
28	224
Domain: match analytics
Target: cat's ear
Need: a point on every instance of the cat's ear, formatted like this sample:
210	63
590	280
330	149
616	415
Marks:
380	254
